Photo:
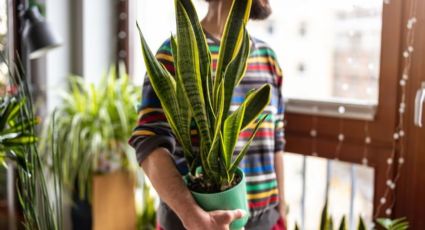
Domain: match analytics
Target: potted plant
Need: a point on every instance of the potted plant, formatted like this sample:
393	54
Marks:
214	179
92	126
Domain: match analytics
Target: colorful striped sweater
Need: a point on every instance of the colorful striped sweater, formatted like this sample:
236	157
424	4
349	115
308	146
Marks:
153	130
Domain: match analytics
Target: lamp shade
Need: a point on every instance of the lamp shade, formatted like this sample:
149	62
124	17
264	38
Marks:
37	34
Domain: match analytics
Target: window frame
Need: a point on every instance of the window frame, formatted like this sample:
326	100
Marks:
381	127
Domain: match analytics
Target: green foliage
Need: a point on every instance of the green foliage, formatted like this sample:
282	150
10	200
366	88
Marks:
92	127
361	225
192	93
14	130
343	224
41	209
324	218
397	224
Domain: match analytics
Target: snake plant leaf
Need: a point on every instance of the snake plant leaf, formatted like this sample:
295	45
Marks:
189	70
203	53
324	224
215	150
242	153
164	86
232	128
184	107
232	36
235	71
361	225
255	102
343	224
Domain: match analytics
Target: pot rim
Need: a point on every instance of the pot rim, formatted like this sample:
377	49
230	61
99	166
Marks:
230	190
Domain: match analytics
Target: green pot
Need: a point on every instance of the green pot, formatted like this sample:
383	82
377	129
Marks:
231	199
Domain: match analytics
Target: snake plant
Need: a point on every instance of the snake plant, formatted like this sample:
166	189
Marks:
193	93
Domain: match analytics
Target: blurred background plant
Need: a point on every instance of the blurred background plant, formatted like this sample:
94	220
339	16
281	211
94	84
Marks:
327	222
40	201
397	224
93	124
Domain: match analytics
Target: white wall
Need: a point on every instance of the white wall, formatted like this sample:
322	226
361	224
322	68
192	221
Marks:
99	37
58	61
87	30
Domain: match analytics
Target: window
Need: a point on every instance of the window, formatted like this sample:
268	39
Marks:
341	44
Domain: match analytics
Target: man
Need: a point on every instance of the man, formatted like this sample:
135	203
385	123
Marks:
162	160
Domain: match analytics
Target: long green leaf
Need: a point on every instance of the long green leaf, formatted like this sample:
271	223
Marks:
232	128
214	153
235	72
255	104
184	107
164	86
203	54
240	156
188	62
232	36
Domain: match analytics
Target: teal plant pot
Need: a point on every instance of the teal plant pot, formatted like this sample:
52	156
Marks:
231	199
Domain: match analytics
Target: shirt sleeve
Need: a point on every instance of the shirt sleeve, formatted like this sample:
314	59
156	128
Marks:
280	116
152	130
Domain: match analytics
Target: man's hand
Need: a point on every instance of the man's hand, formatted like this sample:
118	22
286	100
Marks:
215	220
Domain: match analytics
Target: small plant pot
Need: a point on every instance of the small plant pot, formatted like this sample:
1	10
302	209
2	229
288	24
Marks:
231	199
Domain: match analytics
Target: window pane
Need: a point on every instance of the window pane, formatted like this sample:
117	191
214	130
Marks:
310	180
329	50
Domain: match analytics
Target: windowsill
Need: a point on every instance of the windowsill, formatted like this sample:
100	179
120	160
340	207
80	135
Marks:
353	109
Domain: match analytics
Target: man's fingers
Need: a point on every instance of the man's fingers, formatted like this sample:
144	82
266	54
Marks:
226	217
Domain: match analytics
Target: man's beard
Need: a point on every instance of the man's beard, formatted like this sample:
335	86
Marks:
260	10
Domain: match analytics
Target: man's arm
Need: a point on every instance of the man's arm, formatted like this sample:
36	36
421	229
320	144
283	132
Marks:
168	182
278	162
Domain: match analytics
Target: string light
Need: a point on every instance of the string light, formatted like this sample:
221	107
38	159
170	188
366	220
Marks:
399	134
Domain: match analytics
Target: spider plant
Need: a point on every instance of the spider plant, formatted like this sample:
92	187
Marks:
92	126
193	93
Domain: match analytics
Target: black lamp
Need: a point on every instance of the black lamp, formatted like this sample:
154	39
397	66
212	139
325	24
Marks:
37	34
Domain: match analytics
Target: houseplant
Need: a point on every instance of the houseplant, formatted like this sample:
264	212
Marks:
41	207
92	126
215	180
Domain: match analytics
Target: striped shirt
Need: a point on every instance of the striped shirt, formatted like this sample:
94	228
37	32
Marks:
153	130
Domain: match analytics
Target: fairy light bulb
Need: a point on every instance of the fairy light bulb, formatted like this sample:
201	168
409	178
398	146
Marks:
368	140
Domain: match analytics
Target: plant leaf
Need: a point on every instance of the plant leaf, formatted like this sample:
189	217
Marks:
232	36
235	71
255	104
189	70
231	131
240	156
